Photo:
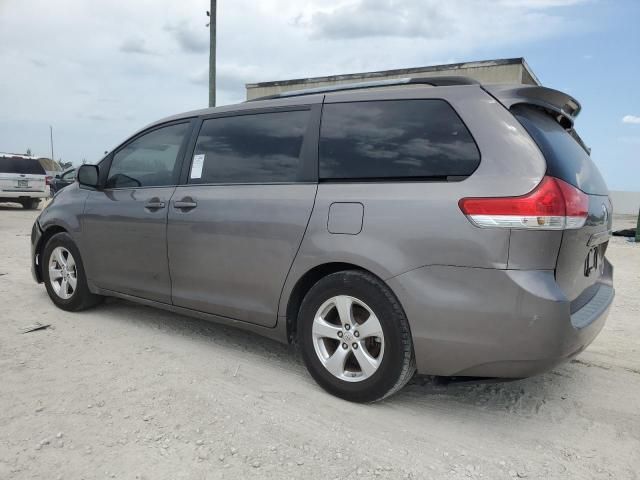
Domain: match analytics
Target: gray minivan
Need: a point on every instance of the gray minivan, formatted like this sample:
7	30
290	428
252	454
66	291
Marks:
430	224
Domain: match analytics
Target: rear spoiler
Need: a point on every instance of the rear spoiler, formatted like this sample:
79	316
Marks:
565	106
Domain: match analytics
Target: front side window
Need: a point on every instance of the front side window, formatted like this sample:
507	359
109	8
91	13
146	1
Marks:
149	160
257	148
395	139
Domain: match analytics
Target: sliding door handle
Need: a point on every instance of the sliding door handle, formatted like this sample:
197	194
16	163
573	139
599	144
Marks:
185	204
154	204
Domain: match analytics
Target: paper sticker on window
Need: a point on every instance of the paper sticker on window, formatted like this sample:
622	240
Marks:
196	166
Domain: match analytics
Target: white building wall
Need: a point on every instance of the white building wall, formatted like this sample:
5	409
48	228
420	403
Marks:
625	203
484	72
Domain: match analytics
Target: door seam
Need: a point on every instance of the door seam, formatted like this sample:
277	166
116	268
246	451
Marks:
295	256
166	243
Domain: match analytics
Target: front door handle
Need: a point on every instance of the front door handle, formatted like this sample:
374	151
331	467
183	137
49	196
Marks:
185	204
154	204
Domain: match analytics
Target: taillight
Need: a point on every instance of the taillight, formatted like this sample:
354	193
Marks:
552	205
48	179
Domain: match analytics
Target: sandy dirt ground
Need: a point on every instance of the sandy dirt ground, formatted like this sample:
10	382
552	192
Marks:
125	391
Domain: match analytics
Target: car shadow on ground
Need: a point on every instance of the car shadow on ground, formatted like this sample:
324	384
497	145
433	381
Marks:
520	398
11	206
16	206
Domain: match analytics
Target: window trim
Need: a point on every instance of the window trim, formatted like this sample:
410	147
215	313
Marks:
416	179
308	150
190	121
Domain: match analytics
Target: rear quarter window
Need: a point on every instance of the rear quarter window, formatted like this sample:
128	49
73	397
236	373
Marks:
395	139
566	156
23	166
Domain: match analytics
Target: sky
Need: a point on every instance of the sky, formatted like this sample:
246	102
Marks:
99	70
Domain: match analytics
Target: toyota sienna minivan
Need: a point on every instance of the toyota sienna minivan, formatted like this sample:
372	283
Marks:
433	225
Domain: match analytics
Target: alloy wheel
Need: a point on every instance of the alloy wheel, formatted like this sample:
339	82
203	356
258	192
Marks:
63	274
348	338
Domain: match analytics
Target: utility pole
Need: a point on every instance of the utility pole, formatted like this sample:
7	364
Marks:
212	53
51	138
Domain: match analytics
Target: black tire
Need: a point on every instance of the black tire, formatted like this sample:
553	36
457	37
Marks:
30	203
81	298
398	363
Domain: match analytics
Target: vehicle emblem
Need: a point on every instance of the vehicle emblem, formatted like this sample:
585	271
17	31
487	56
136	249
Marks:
606	212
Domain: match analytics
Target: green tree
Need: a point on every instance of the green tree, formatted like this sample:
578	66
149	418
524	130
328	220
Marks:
28	152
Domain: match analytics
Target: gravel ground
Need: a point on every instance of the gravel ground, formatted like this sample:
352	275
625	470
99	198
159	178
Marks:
126	391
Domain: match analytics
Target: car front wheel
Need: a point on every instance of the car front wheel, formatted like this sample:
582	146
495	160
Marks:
355	337
63	274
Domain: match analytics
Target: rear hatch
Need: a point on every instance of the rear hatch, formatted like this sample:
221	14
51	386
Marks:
580	264
21	176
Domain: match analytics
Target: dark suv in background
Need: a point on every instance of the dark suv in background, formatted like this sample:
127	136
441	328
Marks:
433	224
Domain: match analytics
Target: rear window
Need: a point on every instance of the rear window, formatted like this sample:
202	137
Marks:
567	157
20	165
395	139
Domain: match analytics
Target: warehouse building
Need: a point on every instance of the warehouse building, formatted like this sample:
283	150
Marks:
508	70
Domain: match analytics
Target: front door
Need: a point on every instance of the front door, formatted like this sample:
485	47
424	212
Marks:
235	227
125	223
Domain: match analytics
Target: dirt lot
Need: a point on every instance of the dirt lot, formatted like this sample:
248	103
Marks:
125	391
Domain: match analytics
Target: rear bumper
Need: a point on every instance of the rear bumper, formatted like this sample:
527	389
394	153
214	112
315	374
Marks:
7	195
496	323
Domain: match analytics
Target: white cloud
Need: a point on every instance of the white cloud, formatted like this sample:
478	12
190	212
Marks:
99	70
135	45
454	25
375	18
630	119
191	37
540	3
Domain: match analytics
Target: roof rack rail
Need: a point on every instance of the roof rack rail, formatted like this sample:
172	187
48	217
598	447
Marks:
442	81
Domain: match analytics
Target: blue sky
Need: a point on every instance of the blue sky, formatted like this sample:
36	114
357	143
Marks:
599	64
98	78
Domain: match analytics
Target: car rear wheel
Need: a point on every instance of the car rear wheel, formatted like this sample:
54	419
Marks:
64	277
355	337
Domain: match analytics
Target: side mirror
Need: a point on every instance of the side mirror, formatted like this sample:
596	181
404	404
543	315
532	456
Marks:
88	176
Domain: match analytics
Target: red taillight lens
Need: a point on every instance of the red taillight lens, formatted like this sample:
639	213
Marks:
576	201
552	205
48	179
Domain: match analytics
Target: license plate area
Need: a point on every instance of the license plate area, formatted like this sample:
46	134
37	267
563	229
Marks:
23	183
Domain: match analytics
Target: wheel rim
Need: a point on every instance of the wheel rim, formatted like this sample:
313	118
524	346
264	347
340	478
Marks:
348	338
63	274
